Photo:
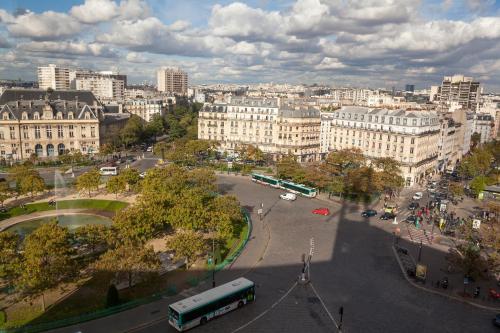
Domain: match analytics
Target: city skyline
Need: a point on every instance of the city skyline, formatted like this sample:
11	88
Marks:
368	43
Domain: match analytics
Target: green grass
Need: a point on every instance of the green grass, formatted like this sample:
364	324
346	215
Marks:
108	205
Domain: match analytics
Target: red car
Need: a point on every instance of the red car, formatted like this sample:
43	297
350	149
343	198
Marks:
321	211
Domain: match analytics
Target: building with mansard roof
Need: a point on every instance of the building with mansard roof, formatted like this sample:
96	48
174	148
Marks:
49	124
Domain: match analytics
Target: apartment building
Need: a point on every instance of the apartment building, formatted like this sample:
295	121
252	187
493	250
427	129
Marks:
104	88
449	144
410	137
461	89
273	128
53	77
172	80
484	124
48	124
145	108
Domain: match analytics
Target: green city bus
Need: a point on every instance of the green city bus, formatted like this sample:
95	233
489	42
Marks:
298	188
266	180
199	309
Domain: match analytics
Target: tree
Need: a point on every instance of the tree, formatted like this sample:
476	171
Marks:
389	175
116	184
249	152
478	184
5	192
133	131
456	189
338	162
10	259
225	217
88	181
95	236
128	261
475	139
156	126
105	150
136	224
130	177
288	168
362	181
112	297
47	259
187	244
27	179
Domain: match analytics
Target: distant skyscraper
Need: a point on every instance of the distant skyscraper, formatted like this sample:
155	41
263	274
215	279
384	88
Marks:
461	89
172	80
53	77
410	88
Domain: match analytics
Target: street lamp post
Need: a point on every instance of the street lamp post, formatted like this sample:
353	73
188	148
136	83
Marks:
213	262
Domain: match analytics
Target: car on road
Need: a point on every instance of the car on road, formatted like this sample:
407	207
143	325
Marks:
369	213
288	196
149	149
321	211
496	320
417	196
387	216
411	219
413	205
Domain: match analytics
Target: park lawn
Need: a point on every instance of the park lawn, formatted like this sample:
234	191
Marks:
108	205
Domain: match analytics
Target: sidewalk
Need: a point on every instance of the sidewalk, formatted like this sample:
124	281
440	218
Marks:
434	258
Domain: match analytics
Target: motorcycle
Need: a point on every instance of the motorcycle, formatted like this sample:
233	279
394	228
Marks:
477	291
444	283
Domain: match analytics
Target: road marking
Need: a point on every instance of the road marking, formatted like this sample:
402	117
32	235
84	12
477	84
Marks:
267	310
324	306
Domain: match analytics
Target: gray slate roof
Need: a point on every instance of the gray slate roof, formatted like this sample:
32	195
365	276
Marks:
13	95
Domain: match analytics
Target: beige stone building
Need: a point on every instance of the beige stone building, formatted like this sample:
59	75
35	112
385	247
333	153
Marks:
172	80
264	123
36	122
410	137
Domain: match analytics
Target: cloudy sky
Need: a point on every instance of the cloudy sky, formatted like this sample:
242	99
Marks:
373	43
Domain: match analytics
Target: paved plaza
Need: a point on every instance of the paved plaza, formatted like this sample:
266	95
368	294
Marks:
353	266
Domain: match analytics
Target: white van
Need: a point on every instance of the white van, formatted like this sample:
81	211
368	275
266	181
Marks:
108	171
288	196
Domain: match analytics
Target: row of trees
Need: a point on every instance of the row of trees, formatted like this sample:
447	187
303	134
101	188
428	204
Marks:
479	166
346	172
27	182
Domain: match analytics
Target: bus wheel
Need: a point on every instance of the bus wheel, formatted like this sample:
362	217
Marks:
240	304
203	321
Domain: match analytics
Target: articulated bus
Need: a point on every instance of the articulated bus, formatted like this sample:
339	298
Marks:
298	188
266	180
284	184
199	309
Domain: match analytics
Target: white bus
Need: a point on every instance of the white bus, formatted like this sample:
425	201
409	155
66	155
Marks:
108	171
197	310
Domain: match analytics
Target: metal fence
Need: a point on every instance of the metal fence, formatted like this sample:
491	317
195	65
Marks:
169	291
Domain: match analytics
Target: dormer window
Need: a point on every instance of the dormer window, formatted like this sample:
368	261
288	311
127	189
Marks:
5	116
59	115
70	115
24	116
36	116
87	115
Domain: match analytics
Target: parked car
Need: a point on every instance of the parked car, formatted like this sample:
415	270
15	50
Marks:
321	211
288	196
411	219
369	213
142	174
149	149
496	320
413	205
387	216
417	196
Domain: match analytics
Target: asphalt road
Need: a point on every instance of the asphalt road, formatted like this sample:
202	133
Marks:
353	266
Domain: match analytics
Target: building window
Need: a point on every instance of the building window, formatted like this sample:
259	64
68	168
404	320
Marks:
402	140
411	150
60	132
412	140
49	131
24	116
87	115
404	121
83	132
37	132
12	132
70	115
5	116
71	133
25	132
92	131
